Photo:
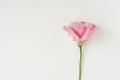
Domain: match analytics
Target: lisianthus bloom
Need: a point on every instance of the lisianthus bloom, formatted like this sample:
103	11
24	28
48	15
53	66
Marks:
80	31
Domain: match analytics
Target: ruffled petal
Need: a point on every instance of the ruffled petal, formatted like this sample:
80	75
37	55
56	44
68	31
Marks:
71	32
90	29
80	30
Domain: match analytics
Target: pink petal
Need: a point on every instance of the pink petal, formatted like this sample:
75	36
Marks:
78	28
71	32
90	29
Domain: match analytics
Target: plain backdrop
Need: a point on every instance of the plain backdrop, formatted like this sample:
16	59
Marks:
34	46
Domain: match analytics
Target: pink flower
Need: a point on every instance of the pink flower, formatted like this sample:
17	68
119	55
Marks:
80	31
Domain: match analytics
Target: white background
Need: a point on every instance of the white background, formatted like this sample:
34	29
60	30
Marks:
33	45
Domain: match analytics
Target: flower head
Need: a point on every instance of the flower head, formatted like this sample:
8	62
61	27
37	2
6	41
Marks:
80	31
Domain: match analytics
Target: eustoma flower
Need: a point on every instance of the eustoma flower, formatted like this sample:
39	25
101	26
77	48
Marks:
80	32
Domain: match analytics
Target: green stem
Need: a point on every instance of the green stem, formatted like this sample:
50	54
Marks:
80	63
